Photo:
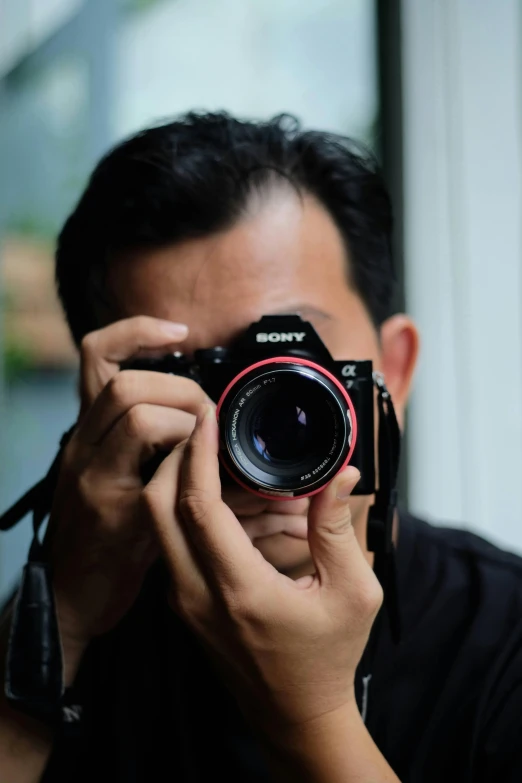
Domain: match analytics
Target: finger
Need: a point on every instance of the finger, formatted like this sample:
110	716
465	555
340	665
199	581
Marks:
129	388
138	436
213	528
102	351
242	502
159	500
333	544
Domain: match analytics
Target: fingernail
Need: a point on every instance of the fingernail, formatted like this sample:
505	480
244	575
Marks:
210	411
347	481
174	329
205	412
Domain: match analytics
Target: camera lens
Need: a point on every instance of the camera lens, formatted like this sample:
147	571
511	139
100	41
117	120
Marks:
286	427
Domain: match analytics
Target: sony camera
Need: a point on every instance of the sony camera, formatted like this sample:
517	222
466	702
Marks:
290	416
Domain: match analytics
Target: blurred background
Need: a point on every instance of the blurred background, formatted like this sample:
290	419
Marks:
434	88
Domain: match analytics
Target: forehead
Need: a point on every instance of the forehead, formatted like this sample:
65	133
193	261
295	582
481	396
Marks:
285	252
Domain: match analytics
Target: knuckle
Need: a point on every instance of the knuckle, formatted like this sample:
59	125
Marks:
341	524
88	345
245	609
71	456
369	598
245	605
136	422
194	389
86	490
178	603
188	605
193	505
140	322
338	523
334	528
122	387
151	499
139	325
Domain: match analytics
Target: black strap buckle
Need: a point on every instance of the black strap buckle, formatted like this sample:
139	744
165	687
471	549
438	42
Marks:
34	679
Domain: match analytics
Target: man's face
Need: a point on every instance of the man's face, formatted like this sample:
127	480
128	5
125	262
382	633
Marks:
284	256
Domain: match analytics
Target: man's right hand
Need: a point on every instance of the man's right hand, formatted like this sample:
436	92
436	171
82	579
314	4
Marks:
99	546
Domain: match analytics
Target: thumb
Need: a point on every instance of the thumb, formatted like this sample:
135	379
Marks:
333	543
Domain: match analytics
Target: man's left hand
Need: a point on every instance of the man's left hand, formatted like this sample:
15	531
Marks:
287	649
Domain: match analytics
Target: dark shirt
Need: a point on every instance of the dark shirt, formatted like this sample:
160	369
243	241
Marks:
443	705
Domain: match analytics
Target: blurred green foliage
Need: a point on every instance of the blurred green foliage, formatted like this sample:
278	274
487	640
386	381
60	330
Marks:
17	357
31	226
17	360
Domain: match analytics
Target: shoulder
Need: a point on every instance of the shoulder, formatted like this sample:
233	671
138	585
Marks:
462	600
460	591
465	558
458	543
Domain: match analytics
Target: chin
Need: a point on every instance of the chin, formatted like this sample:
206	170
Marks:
289	555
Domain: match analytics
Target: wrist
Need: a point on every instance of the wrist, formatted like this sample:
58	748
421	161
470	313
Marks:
335	747
309	752
299	738
306	718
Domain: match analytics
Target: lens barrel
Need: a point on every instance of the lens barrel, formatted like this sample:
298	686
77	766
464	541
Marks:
287	426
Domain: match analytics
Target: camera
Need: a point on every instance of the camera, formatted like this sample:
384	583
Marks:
290	416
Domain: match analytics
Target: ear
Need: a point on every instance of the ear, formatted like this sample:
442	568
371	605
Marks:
399	350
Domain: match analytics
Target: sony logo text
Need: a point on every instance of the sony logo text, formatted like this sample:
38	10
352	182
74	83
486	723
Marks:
280	337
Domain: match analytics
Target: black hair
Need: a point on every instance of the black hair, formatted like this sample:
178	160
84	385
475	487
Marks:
193	176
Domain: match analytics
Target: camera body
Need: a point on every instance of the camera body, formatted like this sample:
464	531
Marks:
290	416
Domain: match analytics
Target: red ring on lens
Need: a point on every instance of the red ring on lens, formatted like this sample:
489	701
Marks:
331	377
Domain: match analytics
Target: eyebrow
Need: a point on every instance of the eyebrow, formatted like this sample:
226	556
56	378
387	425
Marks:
304	309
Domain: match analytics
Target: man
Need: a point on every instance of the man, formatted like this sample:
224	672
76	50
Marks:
216	634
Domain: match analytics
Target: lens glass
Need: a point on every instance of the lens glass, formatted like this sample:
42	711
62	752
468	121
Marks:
291	425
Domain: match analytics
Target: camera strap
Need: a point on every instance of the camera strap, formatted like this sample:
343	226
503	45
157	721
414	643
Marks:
381	515
34	681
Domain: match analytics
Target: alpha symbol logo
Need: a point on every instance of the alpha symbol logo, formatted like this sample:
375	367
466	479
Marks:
348	371
280	337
